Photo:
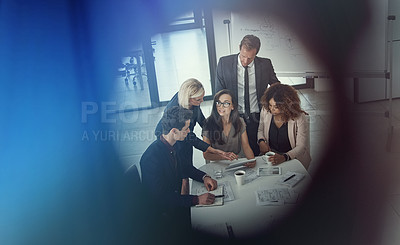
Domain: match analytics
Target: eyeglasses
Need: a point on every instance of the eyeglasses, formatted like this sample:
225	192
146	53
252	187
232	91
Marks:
224	104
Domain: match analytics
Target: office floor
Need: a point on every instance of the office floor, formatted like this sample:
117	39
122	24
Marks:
131	95
371	116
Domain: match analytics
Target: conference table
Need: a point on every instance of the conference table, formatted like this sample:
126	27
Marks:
241	216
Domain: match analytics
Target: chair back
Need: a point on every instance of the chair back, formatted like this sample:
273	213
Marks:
132	176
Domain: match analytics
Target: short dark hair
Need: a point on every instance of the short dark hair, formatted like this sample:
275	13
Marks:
175	117
250	42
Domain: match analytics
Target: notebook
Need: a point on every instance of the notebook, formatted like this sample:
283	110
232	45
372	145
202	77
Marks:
217	192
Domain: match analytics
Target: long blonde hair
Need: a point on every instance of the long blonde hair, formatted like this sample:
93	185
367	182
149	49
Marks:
191	88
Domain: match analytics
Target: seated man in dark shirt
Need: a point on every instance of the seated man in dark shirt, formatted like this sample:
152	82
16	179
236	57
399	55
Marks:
162	174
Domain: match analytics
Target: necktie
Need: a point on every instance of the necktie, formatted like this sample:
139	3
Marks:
246	91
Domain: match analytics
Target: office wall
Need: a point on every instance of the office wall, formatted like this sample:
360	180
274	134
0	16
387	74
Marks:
289	55
370	51
287	50
221	33
374	54
396	69
370	57
394	9
278	43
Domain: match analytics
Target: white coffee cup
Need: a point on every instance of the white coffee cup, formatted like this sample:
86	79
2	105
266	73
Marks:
267	155
239	176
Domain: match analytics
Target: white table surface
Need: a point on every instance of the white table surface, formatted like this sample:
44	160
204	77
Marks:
243	214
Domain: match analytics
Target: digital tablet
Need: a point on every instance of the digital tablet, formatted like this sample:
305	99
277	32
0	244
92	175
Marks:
238	163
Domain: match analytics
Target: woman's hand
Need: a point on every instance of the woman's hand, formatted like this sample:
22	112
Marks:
276	159
226	155
264	148
229	155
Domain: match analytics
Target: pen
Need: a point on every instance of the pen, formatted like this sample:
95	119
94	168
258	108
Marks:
219	196
230	231
288	178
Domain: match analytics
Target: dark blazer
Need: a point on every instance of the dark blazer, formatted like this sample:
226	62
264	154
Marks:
185	148
226	77
162	182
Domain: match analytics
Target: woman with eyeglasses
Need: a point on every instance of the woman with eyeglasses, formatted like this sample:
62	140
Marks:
283	128
190	96
224	129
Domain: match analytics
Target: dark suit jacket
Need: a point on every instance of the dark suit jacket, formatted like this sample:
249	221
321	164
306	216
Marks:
162	181
185	148
226	77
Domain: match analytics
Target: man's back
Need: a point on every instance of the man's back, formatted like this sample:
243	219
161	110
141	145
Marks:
162	182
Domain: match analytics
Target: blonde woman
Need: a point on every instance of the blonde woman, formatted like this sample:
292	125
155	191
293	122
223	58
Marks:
190	96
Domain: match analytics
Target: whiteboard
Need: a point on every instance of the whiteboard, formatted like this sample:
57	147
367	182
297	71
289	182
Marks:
278	43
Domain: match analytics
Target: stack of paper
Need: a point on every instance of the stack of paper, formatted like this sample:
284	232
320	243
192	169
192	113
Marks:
275	196
228	192
251	174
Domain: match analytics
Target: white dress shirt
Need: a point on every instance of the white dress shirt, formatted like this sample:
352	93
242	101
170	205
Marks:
252	87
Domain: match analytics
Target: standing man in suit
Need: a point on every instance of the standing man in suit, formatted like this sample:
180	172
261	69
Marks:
247	76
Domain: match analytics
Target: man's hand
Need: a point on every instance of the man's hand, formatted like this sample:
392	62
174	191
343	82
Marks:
210	184
185	187
264	148
206	198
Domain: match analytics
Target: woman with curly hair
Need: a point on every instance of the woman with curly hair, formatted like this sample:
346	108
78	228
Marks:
225	130
283	128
